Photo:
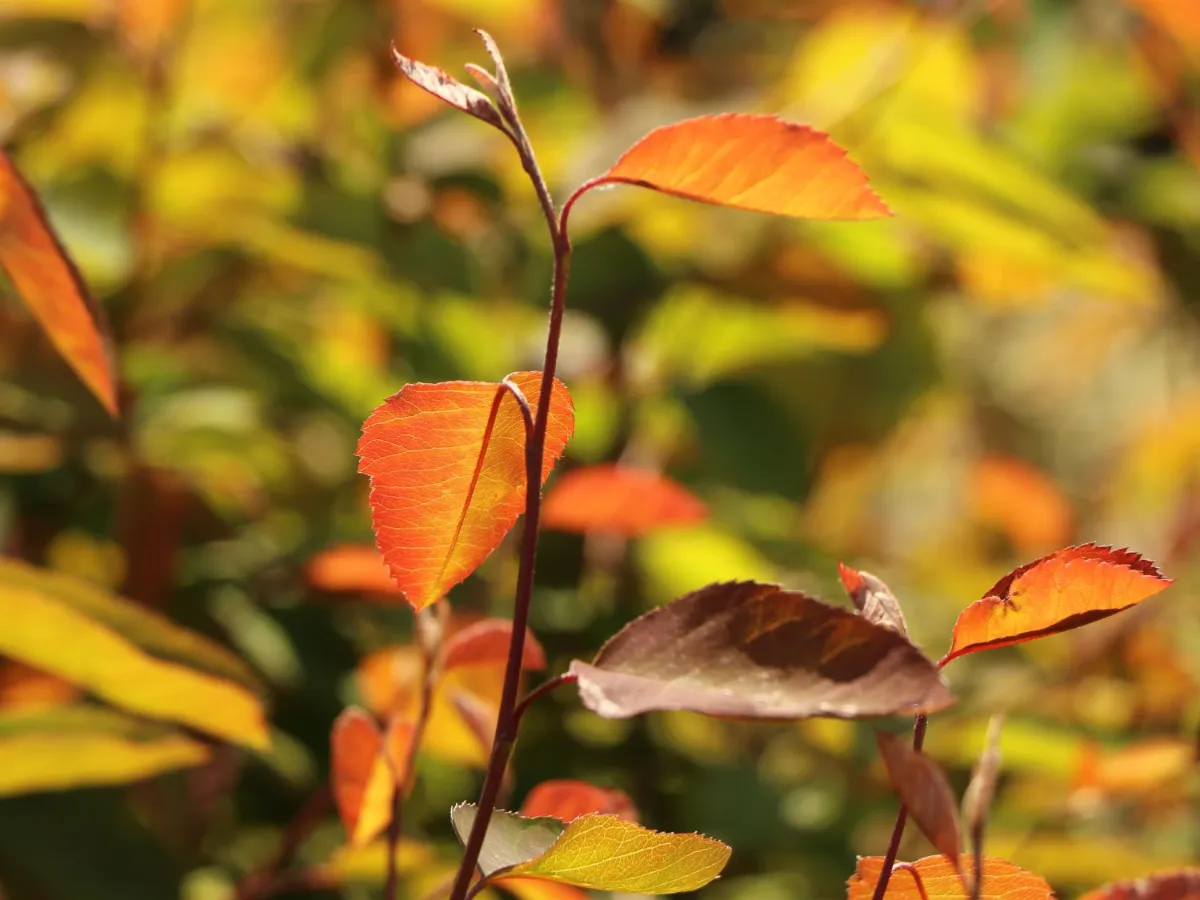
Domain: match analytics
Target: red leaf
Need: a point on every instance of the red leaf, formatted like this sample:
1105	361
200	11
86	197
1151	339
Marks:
447	472
618	500
351	568
486	643
751	162
568	799
921	786
362	778
750	650
51	287
1181	885
1056	593
939	880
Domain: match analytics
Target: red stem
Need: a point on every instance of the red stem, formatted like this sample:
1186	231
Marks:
893	849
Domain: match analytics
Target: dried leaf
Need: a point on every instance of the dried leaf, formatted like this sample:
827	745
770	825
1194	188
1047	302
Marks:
486	643
873	599
752	650
939	880
922	787
52	288
753	162
1181	885
127	655
448	476
362	778
600	852
449	89
618	500
568	799
1056	593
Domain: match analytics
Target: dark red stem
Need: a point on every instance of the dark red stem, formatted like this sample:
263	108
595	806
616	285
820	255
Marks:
893	849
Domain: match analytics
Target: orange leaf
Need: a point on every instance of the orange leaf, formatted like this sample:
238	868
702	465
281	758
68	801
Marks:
351	568
1022	502
1064	590
1181	885
568	799
1179	18
49	284
751	162
541	889
923	788
362	778
618	500
939	880
486	643
447	470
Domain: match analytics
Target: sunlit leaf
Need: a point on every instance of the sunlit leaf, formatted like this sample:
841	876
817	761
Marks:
366	766
448	89
751	162
594	851
78	746
1180	20
1064	590
873	599
939	880
448	476
486	643
351	568
51	287
568	799
1181	885
368	863
922	787
540	889
126	654
1139	768
24	687
1021	502
743	649
618	500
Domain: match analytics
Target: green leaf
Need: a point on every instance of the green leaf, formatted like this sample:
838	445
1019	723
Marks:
599	852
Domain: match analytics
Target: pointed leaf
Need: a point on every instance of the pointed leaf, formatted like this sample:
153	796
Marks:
81	746
1056	593
351	568
448	476
977	801
618	500
449	90
486	643
753	650
873	599
361	776
568	799
594	851
51	287
939	880
125	654
753	162
1181	885
921	786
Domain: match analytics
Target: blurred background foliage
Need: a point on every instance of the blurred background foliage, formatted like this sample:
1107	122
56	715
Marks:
284	232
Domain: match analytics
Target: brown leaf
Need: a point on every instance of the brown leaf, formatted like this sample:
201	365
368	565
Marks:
449	90
873	599
743	649
922	787
1181	885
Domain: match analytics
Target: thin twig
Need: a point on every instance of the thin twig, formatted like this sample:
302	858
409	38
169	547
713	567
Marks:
540	691
893	849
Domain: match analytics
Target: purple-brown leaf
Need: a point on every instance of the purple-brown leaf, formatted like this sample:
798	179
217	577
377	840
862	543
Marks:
922	787
748	650
448	89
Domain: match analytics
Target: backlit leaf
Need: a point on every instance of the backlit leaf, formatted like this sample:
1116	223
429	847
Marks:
1001	880
78	746
1058	592
1181	885
873	599
448	89
126	654
744	649
51	287
1181	20
594	851
362	775
751	162
351	568
448	476
568	799
1139	768
922	787
486	643
618	500
1021	502
540	889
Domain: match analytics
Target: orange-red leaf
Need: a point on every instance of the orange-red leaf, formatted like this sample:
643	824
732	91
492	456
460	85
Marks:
751	162
49	284
568	799
619	500
485	643
1064	590
939	880
351	568
1181	885
362	777
923	788
447	470
540	889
